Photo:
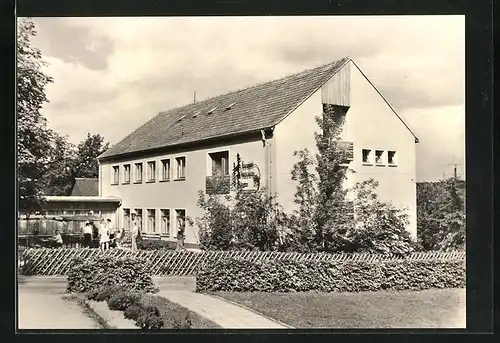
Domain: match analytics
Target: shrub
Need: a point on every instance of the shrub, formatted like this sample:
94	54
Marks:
154	244
148	321
184	323
104	293
121	301
94	273
239	275
133	311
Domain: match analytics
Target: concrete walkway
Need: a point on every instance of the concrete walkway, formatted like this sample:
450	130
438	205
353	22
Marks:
221	312
41	306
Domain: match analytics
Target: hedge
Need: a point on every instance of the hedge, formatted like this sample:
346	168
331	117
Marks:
186	263
87	275
238	275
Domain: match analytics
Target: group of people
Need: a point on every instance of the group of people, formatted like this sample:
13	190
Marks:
106	233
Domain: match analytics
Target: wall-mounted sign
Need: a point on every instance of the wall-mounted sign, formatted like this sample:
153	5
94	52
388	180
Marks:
250	176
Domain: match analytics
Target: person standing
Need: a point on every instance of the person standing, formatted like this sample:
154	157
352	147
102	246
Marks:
134	234
58	239
87	234
111	231
104	235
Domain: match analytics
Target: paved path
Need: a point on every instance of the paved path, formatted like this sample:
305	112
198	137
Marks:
41	306
221	312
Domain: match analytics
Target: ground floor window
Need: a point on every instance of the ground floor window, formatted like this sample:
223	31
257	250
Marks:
126	218
165	222
181	221
138	212
151	220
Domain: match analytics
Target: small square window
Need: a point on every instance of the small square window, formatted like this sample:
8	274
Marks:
165	169
126	173
138	172
391	158
379	155
367	156
116	174
151	171
181	168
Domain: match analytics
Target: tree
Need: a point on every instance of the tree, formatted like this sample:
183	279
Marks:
380	227
61	172
440	215
86	164
301	223
332	217
33	135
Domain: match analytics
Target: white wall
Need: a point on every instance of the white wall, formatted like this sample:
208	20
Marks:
370	123
175	194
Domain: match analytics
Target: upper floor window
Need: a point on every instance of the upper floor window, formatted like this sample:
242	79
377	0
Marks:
220	163
116	174
367	158
138	172
151	171
126	173
181	167
391	158
165	169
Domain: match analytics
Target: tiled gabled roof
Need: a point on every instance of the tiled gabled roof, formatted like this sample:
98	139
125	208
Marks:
250	109
85	187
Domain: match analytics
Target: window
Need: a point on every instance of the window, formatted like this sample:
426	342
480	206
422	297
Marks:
126	219
151	171
367	156
138	212
165	223
181	221
391	158
181	168
220	163
151	221
165	169
379	154
126	173
138	172
116	174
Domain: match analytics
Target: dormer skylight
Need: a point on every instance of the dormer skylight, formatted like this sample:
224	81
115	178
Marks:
212	110
228	107
196	114
184	116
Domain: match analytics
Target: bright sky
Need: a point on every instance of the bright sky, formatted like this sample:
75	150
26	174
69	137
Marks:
111	75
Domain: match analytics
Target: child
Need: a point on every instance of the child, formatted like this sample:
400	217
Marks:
104	236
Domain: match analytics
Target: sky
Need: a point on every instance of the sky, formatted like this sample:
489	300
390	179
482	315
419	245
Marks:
111	75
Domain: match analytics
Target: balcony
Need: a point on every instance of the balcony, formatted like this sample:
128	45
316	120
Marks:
348	148
218	184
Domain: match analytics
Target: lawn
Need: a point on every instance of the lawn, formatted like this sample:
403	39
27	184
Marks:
441	308
171	312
